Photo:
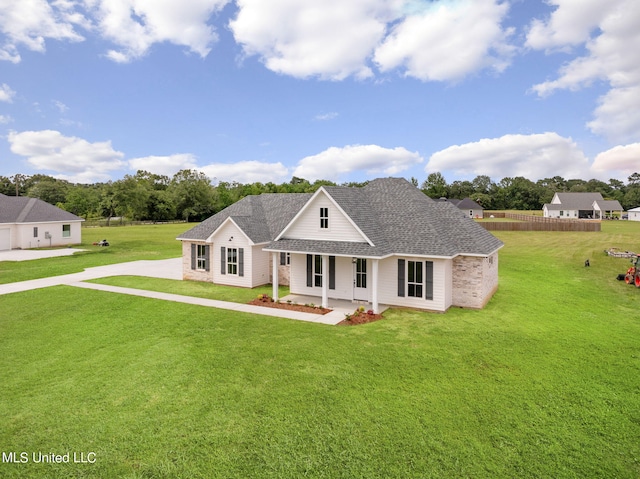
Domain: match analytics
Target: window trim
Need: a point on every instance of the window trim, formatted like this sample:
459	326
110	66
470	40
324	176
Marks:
66	231
201	257
415	279
232	261
317	271
324	218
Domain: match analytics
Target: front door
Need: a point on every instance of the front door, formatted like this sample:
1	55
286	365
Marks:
360	291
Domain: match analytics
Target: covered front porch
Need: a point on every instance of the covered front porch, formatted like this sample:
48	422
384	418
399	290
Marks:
326	279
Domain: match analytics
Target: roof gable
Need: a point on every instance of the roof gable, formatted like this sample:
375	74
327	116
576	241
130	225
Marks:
341	225
259	217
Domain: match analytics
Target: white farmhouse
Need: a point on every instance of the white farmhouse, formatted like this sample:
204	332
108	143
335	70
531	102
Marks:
386	243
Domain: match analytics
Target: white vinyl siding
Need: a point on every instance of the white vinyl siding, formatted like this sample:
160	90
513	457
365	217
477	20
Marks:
260	271
22	235
388	284
230	236
5	239
307	226
343	278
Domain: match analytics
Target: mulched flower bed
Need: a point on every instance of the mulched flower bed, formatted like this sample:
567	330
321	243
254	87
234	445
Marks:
360	317
269	303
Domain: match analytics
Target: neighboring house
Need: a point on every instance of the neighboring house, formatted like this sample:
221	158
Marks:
31	223
470	207
634	214
385	243
580	206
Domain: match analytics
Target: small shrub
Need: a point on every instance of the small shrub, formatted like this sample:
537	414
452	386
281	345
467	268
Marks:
370	312
347	316
361	309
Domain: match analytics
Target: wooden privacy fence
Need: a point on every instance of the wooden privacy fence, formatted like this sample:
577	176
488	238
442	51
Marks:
538	223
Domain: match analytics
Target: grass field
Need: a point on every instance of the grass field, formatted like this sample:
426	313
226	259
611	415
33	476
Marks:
543	382
127	243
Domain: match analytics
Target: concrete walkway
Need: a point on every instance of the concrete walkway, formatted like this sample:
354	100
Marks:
167	269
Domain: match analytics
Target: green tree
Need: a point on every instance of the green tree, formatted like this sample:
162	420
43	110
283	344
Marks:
51	190
193	195
435	186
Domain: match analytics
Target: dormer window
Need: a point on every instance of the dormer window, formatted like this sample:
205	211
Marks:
324	218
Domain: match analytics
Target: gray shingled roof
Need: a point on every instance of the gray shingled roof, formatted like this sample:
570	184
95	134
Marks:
396	216
610	205
22	209
261	217
465	204
578	201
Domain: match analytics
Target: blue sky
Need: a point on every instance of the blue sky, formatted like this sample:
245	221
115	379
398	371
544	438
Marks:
248	90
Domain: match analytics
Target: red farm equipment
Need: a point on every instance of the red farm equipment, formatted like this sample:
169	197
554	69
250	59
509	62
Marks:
633	273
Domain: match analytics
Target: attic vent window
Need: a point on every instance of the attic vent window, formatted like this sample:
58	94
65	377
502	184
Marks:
324	218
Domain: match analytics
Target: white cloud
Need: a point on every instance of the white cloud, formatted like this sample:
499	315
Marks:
164	165
334	39
334	163
531	156
29	22
71	157
62	108
326	116
302	38
618	162
4	119
135	25
6	93
448	41
246	172
609	32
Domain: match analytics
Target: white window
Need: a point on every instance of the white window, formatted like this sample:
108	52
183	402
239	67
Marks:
324	218
66	231
361	273
201	257
317	271
414	279
232	260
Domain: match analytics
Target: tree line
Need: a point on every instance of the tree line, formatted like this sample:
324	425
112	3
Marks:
189	195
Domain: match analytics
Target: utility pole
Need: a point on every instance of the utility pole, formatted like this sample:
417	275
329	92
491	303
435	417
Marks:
17	178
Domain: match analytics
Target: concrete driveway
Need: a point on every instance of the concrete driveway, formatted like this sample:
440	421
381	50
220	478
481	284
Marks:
29	254
164	268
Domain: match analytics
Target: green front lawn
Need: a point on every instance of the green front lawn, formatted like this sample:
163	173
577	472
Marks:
543	382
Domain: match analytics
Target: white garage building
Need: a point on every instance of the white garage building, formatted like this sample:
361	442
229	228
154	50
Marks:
32	223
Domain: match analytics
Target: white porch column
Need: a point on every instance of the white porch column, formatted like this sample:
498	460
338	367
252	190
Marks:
374	286
325	281
274	274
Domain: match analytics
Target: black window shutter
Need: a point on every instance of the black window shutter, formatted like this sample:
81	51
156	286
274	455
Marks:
223	260
332	272
309	271
240	261
429	280
401	278
207	266
283	259
193	256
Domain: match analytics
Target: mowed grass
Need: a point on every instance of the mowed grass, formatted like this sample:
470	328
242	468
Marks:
543	382
127	243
